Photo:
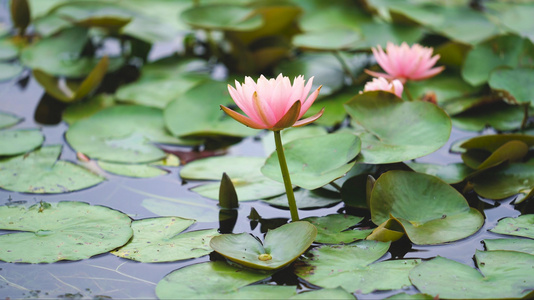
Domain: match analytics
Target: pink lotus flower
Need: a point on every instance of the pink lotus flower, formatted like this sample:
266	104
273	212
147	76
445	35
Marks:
405	63
381	84
273	104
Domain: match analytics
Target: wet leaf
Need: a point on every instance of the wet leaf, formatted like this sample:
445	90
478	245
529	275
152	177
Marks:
13	142
208	119
393	130
161	240
423	205
244	172
123	134
317	161
337	229
41	172
60	231
351	267
281	246
520	226
503	275
520	245
219	278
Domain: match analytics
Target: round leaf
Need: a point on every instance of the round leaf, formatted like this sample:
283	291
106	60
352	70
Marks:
13	142
514	84
217	278
328	40
60	231
430	211
520	245
8	120
314	162
352	268
520	226
161	240
282	246
505	181
307	199
121	134
9	71
40	172
337	229
393	130
222	17
505	275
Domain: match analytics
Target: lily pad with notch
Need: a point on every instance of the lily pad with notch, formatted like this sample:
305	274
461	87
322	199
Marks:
393	130
281	246
41	172
317	161
520	226
338	229
60	231
430	211
351	267
500	275
161	240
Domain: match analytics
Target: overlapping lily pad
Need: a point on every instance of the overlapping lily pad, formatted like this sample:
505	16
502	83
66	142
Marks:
281	246
514	84
13	142
222	17
122	134
219	280
208	120
314	162
521	245
351	267
244	172
429	210
393	130
8	120
307	199
452	173
338	229
505	181
502	275
60	231
41	172
520	226
161	240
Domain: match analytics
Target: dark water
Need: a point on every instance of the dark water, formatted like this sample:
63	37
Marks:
106	275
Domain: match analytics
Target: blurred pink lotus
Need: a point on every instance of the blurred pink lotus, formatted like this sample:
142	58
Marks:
273	104
406	63
381	84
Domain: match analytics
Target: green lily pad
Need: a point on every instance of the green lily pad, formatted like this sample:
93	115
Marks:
337	229
59	55
500	116
8	50
493	142
451	174
314	162
429	210
393	130
244	172
503	275
501	51
281	247
514	83
291	134
505	181
199	209
515	16
351	267
404	296
122	134
84	109
13	142
520	245
307	199
208	120
161	240
219	279
445	87
328	40
222	17
512	151
334	109
131	170
8	120
520	226
73	91
60	231
41	172
335	293
9	71
157	92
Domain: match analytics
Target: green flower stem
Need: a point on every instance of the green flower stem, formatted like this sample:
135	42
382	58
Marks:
285	175
408	94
